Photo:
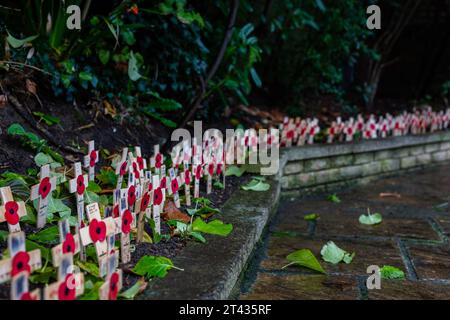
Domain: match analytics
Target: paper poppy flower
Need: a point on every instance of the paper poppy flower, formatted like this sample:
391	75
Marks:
20	262
162	183
136	170
27	296
290	134
11	212
97	230
269	140
44	187
145	201
68	245
187	177
92	158
123	168
116	211
198	172
158	160
150	186
80	185
157	197
246	141
127	220
66	290
211	169
134	10
113	286
174	185
131	195
219	168
140	162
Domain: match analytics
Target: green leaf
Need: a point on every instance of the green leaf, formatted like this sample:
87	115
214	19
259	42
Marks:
334	198
16	129
133	290
255	77
133	69
389	272
218	185
85	76
197	236
93	293
93	187
370	219
321	5
256	185
234	171
17	43
48	119
215	227
48	236
151	266
89	267
3	235
311	217
44	276
104	55
42	159
333	254
305	258
30	246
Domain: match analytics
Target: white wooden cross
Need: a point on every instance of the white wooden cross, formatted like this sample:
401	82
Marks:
210	173
141	162
97	230
186	177
331	132
20	260
198	173
78	186
175	183
127	222
113	284
69	285
122	168
157	160
142	205
11	211
69	243
158	202
91	159
20	288
42	192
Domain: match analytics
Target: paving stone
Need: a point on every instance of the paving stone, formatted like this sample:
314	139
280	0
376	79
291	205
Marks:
384	154
408	162
431	262
302	287
439	156
410	290
316	164
293	167
429	148
367	253
364	158
342	161
444	223
414	151
423	159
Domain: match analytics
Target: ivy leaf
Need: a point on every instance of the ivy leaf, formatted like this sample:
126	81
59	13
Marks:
136	288
17	43
93	187
305	258
41	159
44	276
256	185
333	254
390	272
48	236
89	267
93	293
370	219
151	266
311	217
30	246
334	198
215	227
133	69
48	119
104	55
3	235
234	171
197	236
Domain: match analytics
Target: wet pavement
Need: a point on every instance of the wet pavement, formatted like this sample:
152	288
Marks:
414	236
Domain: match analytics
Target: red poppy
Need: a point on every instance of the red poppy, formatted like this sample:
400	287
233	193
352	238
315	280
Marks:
136	170
97	230
92	158
131	195
350	131
246	141
198	172
116	211
290	134
20	262
123	168
140	162
157	197
134	10
27	296
113	286
162	183
219	168
68	244
187	177
269	140
11	215
211	169
145	201
66	290
127	219
174	185
44	187
150	186
80	185
158	160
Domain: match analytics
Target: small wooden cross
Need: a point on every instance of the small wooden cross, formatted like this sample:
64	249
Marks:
158	202
97	230
141	162
175	183
211	170
20	288
113	284
142	205
157	160
42	191
198	173
78	186
70	284
122	168
20	260
69	243
127	222
186	178
91	159
11	211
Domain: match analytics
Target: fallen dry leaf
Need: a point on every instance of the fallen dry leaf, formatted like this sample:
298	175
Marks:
31	86
109	109
171	212
3	100
390	194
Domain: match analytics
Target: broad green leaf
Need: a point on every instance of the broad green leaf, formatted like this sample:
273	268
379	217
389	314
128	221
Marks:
44	276
133	69
218	185
234	171
17	43
389	272
104	55
151	266
129	294
215	227
334	198
305	258
255	77
85	76
333	254
311	217
321	5
256	185
30	246
93	187
89	267
48	119
3	235
93	293
49	235
197	236
370	219
42	159
15	129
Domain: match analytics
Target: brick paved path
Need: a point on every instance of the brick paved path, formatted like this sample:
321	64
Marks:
414	236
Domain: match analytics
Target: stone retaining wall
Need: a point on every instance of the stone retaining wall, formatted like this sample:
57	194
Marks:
326	167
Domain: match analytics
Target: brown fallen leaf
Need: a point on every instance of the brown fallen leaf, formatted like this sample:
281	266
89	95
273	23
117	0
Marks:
109	109
3	100
31	86
390	194
171	212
